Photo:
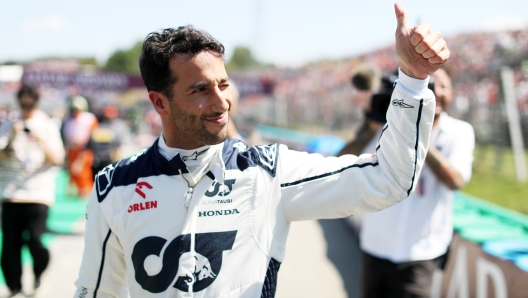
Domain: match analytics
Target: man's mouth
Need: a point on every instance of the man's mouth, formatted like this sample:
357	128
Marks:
218	119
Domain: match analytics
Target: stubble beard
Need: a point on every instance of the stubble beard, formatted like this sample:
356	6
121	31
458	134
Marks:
194	128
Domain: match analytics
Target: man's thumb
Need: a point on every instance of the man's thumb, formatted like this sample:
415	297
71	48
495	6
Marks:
401	15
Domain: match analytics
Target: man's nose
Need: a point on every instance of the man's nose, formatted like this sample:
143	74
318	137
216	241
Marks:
221	102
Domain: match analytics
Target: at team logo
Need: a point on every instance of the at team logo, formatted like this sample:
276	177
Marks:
193	271
401	104
267	157
104	179
220	189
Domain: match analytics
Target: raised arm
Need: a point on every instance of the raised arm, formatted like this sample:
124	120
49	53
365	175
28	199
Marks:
316	187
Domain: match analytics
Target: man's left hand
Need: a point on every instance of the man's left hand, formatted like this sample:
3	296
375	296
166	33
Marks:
421	49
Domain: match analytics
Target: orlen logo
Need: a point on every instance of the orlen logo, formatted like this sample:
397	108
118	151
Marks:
157	264
139	186
143	205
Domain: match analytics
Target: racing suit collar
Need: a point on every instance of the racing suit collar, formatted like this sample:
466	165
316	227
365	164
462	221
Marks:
174	165
217	167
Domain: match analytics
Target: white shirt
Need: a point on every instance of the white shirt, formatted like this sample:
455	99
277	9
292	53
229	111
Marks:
25	176
421	227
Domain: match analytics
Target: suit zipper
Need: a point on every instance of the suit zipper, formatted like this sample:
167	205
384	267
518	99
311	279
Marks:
190	190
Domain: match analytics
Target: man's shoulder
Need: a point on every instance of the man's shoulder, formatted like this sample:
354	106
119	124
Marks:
237	155
124	172
40	115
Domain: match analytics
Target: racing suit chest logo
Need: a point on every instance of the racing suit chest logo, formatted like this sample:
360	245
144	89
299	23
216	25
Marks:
193	271
220	189
142	205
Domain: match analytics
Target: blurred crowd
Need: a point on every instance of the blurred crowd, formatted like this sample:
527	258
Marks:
316	96
320	94
95	136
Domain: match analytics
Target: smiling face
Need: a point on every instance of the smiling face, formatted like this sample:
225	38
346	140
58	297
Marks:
197	112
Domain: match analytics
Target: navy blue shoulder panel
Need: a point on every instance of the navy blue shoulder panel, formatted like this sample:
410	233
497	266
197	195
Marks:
236	156
146	163
233	157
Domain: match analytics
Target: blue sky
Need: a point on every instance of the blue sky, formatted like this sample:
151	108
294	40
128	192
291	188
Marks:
284	32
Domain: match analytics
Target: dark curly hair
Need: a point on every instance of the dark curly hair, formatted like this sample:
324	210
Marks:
28	90
160	47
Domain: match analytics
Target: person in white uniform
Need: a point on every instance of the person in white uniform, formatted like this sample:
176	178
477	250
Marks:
199	215
31	152
402	244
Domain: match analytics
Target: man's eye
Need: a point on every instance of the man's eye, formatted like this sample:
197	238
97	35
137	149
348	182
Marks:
199	90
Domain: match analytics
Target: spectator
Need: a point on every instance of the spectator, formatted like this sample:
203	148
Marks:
77	129
107	138
29	162
403	244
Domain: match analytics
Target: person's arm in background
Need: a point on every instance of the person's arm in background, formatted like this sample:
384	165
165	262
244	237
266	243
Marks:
443	170
8	132
364	135
454	171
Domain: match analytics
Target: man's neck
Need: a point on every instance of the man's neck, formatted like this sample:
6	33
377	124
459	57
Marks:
175	143
26	114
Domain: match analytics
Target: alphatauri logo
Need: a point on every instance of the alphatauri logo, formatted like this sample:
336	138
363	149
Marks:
220	189
193	271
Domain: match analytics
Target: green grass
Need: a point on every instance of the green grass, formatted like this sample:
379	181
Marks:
497	184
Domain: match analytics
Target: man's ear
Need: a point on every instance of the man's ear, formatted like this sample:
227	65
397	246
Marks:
160	102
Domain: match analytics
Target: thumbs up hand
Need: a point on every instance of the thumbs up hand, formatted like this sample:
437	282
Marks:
421	49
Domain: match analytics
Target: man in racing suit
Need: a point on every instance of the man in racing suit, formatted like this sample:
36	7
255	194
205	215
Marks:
196	215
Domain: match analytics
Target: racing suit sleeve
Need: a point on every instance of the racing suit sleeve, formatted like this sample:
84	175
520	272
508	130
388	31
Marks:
103	271
314	187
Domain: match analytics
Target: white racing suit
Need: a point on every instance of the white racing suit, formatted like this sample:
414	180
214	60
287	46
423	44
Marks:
229	239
